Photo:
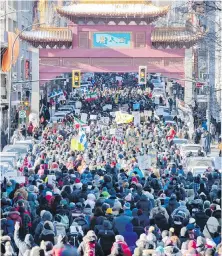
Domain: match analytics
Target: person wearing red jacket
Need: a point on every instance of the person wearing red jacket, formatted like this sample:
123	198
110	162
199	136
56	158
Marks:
171	134
120	246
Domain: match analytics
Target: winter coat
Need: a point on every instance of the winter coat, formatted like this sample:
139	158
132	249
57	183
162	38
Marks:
90	200
14	216
25	245
130	236
144	204
172	205
121	221
124	246
111	200
106	239
211	227
83	248
47	234
201	219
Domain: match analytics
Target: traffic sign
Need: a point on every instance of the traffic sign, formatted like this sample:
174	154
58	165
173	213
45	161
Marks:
22	114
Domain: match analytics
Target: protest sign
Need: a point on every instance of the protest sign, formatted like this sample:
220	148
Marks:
84	117
159	111
104	120
77	111
78	104
107	107
119	133
113	114
86	129
136	116
112	131
51	179
144	162
93	117
124	108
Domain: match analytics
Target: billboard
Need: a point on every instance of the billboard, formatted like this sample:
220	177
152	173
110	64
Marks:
111	39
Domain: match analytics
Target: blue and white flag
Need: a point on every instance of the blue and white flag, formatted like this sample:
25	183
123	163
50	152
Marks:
83	139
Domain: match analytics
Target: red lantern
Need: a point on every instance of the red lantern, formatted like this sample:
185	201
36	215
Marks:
77	126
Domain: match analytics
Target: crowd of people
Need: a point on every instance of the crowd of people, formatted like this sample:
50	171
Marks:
100	202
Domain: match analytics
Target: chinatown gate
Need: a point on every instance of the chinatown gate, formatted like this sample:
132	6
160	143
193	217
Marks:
109	36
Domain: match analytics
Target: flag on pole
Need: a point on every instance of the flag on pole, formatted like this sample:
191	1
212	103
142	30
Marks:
123	118
79	122
83	139
90	96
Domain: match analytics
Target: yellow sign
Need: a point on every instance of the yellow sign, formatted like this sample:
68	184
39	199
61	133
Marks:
122	118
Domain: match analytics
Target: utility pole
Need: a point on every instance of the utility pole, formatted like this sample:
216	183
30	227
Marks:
208	112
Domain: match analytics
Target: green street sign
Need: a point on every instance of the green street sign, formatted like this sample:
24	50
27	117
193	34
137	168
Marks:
22	114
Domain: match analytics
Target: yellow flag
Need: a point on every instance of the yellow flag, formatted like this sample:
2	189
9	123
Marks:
122	118
76	145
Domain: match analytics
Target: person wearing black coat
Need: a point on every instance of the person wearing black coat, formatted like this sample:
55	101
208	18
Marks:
106	237
137	227
144	204
201	219
47	233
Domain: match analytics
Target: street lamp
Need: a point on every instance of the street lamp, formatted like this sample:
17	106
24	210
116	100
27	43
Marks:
13	12
10	75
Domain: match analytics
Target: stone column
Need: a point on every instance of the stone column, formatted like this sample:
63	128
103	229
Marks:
188	89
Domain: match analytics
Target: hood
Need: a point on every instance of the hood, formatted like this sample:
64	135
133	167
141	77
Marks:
129	227
91	197
13	215
134	212
143	198
29	240
107	224
173	201
107	178
47	216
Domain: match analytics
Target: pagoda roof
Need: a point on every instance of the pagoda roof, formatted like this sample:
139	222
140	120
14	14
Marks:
133	11
175	37
48	36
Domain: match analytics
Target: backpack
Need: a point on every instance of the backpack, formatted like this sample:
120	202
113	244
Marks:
90	249
64	220
60	228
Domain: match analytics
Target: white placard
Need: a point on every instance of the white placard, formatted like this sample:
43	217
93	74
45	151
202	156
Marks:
77	111
113	114
112	131
93	117
144	162
104	120
51	179
159	112
78	104
119	133
157	100
136	119
119	78
107	107
8	173
124	108
84	117
87	129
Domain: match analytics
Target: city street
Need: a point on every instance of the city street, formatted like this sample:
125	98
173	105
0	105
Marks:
111	128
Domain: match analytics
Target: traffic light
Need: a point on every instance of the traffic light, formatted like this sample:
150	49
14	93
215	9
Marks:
76	78
142	75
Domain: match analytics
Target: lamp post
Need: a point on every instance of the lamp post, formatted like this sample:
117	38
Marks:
10	75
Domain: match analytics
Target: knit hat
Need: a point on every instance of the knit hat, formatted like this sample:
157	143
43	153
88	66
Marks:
128	198
109	211
126	206
63	202
119	238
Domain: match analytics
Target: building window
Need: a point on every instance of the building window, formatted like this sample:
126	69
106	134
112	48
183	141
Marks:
83	39
140	40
